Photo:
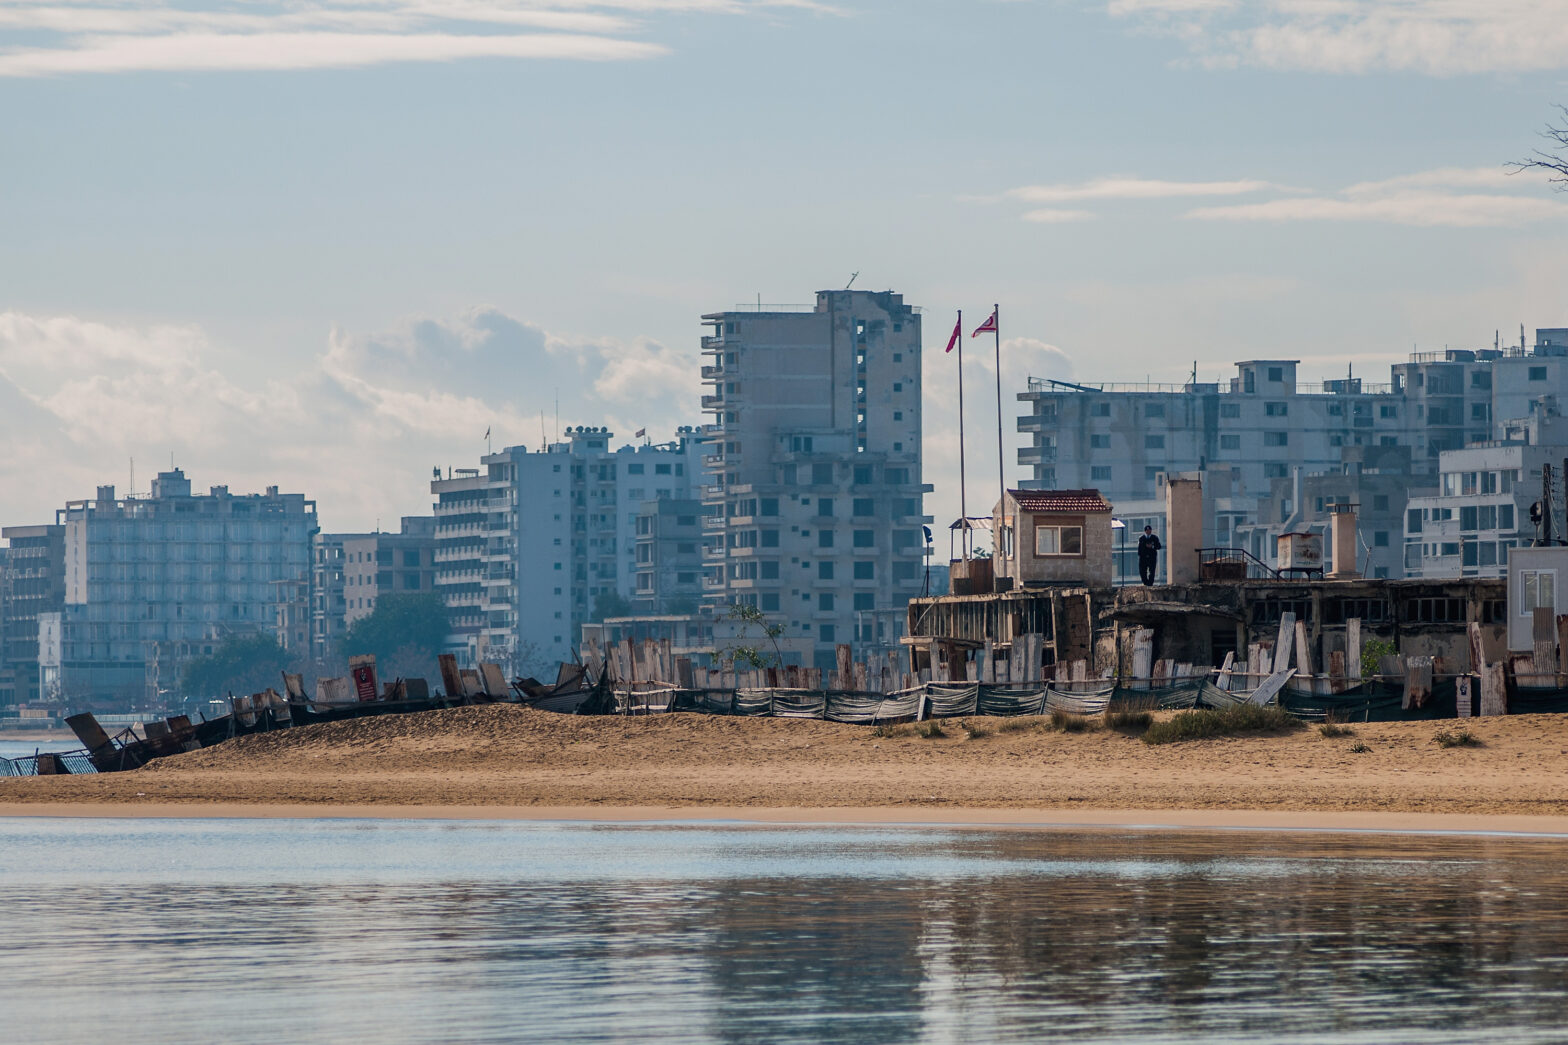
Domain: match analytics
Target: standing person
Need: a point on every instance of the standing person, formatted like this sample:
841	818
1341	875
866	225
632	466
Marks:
1148	554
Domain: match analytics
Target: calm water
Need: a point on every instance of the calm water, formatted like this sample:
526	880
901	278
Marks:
21	748
398	931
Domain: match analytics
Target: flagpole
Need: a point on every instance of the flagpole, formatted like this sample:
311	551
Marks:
1001	458
963	497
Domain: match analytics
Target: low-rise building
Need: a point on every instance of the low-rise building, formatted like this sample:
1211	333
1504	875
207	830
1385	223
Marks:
32	584
377	564
1052	537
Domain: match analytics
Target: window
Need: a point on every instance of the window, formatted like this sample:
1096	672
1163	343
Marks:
1538	373
865	571
1276	373
864	506
1537	588
770	601
825	571
1505	517
1099	409
661	469
1154	410
1380	539
1154	442
821	474
898	415
824	506
825	601
825	632
768	570
1467	518
1100	473
865	539
1230	442
410	557
1276	471
1277	409
1058	541
765	506
1413	520
1230	409
1099	442
1387	412
770	538
1276	438
865	600
634	469
824	538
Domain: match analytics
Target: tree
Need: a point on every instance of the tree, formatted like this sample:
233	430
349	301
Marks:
240	664
744	653
1554	158
405	633
609	603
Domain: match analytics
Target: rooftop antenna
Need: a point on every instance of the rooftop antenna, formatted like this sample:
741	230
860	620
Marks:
1521	338
544	440
851	282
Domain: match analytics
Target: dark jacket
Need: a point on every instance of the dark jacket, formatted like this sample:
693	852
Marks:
1149	546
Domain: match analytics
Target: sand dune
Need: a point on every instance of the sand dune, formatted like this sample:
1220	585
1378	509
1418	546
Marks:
511	757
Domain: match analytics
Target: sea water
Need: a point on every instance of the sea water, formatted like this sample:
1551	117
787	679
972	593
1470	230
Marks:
447	931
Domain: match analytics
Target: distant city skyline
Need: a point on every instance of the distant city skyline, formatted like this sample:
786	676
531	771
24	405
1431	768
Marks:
327	246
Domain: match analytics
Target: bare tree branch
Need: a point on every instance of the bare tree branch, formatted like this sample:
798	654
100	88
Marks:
1553	160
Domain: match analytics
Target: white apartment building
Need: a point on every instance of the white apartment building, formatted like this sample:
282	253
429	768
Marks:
813	502
153	581
1264	427
535	543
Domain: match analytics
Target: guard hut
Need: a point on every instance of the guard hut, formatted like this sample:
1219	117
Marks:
1043	537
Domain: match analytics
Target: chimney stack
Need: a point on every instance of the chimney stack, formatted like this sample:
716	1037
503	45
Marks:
1183	529
1342	541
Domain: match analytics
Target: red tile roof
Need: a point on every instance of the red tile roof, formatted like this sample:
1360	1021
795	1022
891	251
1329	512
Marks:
1060	500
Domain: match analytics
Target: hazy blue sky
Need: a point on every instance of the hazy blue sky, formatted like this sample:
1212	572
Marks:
326	244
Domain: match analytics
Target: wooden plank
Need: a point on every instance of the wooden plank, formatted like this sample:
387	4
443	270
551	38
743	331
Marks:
1562	644
988	662
1336	671
1494	690
1270	687
1353	648
1303	650
1477	652
1142	656
1418	682
845	664
1287	627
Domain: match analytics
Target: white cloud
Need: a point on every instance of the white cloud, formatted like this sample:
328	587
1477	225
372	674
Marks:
1432	198
51	39
1122	187
1432	37
1048	216
357	425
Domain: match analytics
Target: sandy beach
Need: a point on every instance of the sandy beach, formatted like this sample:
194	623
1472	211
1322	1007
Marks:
504	760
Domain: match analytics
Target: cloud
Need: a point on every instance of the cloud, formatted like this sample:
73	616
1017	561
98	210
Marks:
1430	37
55	38
356	424
1424	199
1047	216
1121	187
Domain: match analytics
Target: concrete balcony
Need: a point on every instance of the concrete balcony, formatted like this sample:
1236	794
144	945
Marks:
711	373
713	402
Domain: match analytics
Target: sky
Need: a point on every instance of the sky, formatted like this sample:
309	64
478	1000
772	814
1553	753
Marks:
327	244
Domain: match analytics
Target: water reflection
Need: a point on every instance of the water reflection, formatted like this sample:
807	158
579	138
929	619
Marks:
328	931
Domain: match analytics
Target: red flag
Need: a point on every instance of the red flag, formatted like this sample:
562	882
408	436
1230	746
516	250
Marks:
988	327
954	339
640	433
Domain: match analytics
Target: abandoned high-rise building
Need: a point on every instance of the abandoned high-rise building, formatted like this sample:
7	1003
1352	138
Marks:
812	506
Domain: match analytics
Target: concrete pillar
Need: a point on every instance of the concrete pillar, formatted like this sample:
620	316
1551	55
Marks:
1342	541
1183	529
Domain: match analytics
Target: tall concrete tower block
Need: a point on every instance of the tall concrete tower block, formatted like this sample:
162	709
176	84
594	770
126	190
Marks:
1183	529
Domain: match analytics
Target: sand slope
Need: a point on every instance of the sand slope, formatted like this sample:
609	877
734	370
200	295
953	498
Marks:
511	756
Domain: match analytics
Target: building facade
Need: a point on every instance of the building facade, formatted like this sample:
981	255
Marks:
535	543
813	497
152	581
377	564
32	584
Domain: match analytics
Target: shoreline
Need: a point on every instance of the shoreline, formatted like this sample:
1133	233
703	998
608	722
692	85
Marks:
1041	819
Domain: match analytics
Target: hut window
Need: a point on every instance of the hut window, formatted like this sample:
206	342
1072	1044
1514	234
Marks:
1058	540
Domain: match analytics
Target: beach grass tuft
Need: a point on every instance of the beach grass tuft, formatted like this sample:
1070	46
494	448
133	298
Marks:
1226	722
974	730
1129	720
1455	738
1021	724
930	729
1359	748
1334	729
1067	722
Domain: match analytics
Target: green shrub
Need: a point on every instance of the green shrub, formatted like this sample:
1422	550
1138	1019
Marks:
1456	738
1226	722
